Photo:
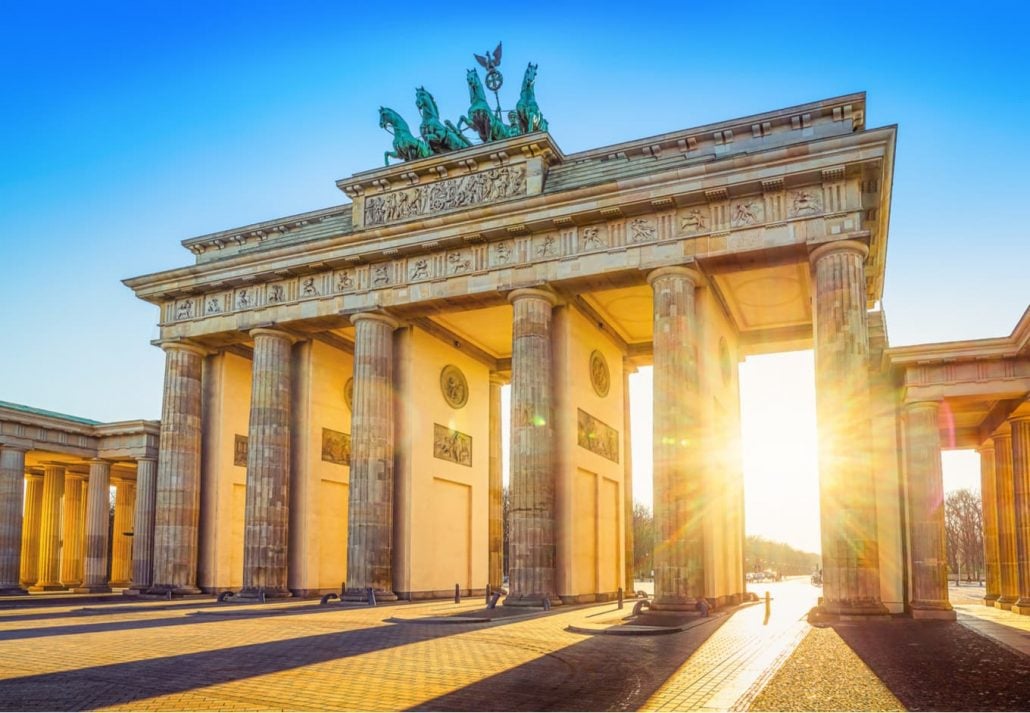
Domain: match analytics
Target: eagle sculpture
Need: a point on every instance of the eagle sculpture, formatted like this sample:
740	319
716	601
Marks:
491	60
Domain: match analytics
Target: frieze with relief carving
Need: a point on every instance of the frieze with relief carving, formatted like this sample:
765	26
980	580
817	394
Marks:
452	445
463	192
597	436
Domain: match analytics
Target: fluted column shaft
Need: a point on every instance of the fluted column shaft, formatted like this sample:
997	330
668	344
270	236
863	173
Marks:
72	529
678	453
627	481
266	530
370	513
50	530
178	473
989	498
94	562
850	549
1006	521
1021	492
496	487
143	523
121	546
12	489
926	512
30	529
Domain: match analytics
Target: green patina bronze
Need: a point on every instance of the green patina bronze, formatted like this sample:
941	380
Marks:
440	136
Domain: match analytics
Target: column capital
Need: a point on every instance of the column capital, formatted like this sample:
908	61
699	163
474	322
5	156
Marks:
821	251
924	403
17	448
691	273
273	332
987	445
34	473
496	379
533	293
381	317
146	459
169	345
1019	419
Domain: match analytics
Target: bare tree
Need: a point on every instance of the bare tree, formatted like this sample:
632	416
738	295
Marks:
643	540
963	523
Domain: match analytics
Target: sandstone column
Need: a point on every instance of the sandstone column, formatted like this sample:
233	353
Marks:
266	530
178	472
50	530
72	529
989	498
1021	488
851	577
121	545
30	528
532	544
12	489
1006	521
627	479
678	454
370	501
496	487
926	512
143	524
94	563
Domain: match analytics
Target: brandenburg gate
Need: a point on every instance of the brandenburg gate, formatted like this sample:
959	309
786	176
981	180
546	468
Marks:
332	390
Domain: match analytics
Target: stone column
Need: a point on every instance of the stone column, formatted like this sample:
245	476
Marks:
496	487
12	489
989	498
30	529
1006	521
1021	491
94	563
50	530
532	543
72	529
851	569
926	512
266	531
370	501
121	546
143	523
678	453
177	513
627	479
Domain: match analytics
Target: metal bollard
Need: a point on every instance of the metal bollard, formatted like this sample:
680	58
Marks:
768	604
489	591
457	594
547	604
370	593
326	597
702	606
620	597
492	602
261	596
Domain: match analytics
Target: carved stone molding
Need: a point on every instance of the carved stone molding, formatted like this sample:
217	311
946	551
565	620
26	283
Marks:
597	436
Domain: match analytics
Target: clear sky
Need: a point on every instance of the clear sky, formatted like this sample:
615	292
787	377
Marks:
128	127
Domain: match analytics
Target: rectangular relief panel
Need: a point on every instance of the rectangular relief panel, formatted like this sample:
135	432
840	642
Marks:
335	447
452	445
240	451
597	436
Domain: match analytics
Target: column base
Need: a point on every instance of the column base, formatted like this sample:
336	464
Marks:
72	585
270	593
361	595
48	587
165	589
937	610
531	600
848	611
1004	602
990	599
92	589
674	604
1022	606
122	584
12	591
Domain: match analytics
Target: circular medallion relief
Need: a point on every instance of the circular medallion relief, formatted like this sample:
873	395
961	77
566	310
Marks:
600	377
453	386
348	394
724	360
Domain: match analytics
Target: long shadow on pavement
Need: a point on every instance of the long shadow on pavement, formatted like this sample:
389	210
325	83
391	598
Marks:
941	666
123	683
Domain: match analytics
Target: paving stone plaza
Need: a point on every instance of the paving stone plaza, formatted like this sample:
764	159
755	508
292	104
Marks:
331	425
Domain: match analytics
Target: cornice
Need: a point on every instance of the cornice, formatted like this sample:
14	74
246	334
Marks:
1016	344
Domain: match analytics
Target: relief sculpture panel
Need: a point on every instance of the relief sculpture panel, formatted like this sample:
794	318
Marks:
335	447
597	436
463	192
452	445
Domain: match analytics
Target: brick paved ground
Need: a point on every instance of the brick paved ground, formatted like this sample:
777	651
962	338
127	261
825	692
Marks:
295	655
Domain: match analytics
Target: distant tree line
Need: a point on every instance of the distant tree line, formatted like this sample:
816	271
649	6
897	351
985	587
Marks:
761	554
963	527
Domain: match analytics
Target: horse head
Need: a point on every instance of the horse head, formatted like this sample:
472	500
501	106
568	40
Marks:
530	76
475	86
425	102
389	118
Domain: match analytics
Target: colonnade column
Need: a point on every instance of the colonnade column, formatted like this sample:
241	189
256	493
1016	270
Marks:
532	545
50	530
177	514
1021	487
266	530
989	501
678	457
30	528
94	561
926	512
495	570
143	523
72	530
850	548
627	480
1006	521
121	546
370	500
12	488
